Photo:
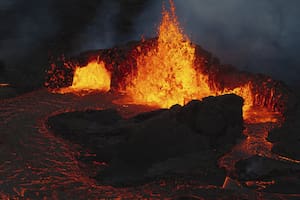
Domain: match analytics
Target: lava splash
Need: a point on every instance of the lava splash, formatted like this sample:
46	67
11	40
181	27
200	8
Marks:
165	75
92	77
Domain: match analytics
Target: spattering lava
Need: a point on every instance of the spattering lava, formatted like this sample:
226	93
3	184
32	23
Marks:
92	77
166	74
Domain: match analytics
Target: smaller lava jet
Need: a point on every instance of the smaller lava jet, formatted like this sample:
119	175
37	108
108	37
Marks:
92	77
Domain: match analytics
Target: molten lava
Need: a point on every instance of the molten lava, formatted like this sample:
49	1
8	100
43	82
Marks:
92	77
166	74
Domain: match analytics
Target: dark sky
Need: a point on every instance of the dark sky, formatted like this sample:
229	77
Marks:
257	35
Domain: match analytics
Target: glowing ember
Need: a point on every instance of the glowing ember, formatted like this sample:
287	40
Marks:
93	77
4	84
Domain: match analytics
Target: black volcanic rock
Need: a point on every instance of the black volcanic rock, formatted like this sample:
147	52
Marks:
216	118
284	176
180	141
262	168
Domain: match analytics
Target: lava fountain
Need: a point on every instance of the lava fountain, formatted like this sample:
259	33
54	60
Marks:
90	78
166	74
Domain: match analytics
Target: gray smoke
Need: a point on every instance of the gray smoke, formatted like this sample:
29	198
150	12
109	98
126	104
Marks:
24	27
100	31
33	30
115	23
261	36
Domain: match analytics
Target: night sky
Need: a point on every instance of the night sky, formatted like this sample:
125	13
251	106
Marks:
257	35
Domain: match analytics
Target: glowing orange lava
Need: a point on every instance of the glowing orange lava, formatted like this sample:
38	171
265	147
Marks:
4	84
166	74
90	78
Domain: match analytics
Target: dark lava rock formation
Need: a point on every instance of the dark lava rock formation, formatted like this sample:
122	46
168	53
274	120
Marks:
177	142
286	138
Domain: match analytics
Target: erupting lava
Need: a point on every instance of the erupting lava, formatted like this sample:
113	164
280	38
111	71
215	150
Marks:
161	74
92	77
166	74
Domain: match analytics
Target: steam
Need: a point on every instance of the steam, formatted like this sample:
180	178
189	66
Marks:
100	32
114	24
258	36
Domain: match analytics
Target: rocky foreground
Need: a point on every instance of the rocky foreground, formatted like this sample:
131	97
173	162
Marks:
38	164
177	142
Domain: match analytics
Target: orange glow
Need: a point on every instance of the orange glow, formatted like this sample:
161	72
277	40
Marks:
165	75
261	115
90	78
4	84
260	184
245	92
